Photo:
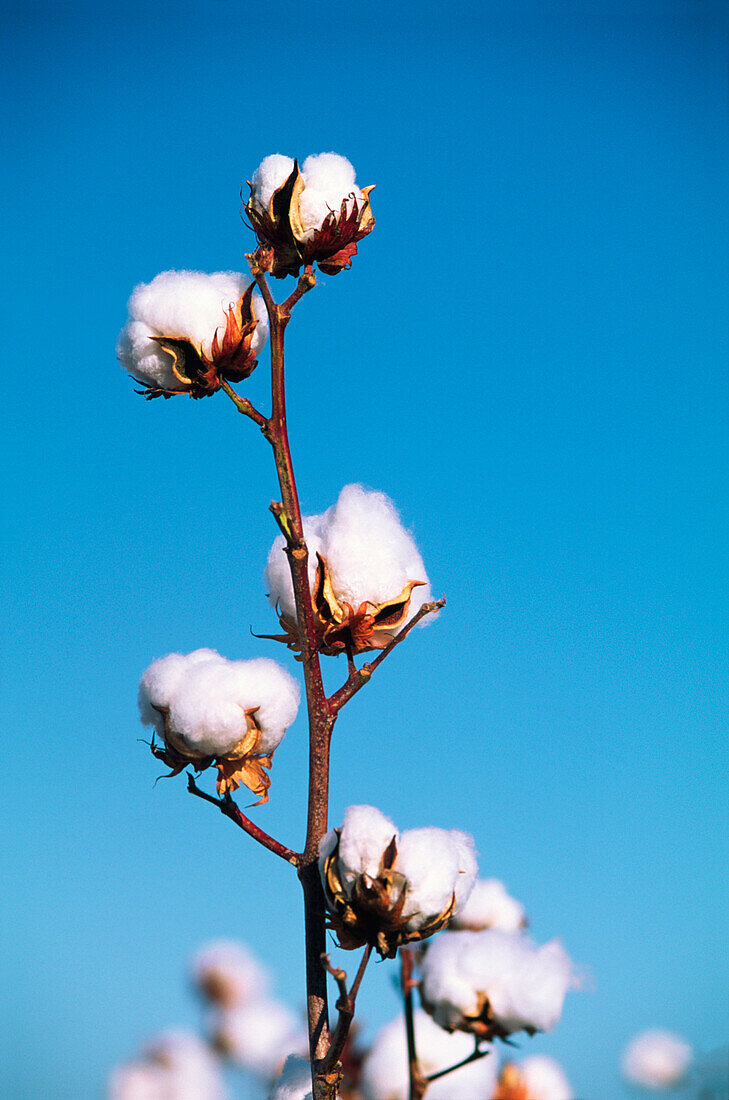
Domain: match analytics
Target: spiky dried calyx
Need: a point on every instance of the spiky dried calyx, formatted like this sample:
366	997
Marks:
372	911
340	628
243	765
231	355
286	245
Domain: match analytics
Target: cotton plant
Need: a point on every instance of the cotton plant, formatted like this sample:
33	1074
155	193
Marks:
177	1065
536	1078
345	582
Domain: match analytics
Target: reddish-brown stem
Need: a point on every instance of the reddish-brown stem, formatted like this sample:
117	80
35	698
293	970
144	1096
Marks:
359	677
243	405
228	807
321	716
418	1083
345	1006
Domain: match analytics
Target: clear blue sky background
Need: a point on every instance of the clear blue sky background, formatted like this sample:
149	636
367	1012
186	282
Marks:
529	355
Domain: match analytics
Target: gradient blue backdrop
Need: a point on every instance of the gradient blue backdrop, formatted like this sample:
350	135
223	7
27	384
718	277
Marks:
529	355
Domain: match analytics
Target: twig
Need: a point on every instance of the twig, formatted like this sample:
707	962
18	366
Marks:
243	405
228	807
477	1054
418	1083
359	677
345	1005
307	280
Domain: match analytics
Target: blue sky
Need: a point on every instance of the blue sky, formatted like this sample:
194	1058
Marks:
529	356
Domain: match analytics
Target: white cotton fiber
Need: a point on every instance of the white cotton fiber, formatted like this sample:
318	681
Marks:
436	863
139	1081
258	1035
545	1079
207	697
228	973
525	985
365	835
271	173
385	1069
330	180
161	680
370	555
490	906
656	1059
295	1080
278	573
193	1070
188	305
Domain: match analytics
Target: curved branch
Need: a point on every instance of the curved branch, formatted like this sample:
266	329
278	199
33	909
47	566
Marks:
229	808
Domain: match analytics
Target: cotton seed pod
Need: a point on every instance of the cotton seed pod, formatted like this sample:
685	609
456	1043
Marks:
388	889
188	331
494	983
208	710
313	214
366	576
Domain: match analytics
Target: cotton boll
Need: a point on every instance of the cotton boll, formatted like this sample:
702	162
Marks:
467	867
162	679
272	173
385	1068
228	974
295	1080
138	353
370	555
258	1035
188	304
489	906
524	985
545	1079
656	1059
365	835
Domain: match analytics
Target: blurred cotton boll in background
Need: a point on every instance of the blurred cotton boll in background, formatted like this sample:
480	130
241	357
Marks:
656	1059
178	1065
227	974
385	1069
489	906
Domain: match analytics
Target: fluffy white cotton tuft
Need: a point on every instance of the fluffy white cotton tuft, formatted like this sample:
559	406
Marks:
370	555
385	1069
437	865
257	1035
178	1065
207	697
490	906
656	1059
525	985
330	181
545	1079
364	836
295	1080
271	173
186	304
228	974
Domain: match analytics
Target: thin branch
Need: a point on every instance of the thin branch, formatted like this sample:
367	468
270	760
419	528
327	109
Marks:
260	276
418	1083
307	280
243	405
228	807
475	1057
359	677
345	1006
